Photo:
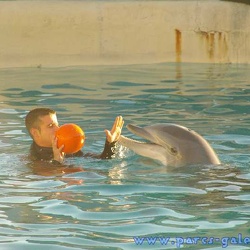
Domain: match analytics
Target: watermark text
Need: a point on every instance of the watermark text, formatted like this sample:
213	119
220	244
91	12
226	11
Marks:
178	242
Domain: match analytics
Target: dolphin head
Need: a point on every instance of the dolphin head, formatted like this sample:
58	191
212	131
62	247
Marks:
171	144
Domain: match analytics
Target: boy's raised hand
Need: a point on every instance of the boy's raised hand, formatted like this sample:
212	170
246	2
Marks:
114	134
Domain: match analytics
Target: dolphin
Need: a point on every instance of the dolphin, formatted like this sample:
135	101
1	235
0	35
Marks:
171	144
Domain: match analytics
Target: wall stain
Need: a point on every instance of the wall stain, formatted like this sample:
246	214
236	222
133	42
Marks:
211	45
216	44
178	43
178	52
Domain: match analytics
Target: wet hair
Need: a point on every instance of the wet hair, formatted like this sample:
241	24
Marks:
32	119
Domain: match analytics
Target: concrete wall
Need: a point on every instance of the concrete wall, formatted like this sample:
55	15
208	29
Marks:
65	33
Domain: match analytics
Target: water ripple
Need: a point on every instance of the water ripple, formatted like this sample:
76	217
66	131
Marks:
110	202
135	189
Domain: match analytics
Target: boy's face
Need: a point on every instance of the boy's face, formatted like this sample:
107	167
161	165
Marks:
48	127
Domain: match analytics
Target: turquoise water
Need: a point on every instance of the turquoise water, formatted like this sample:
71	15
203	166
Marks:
113	204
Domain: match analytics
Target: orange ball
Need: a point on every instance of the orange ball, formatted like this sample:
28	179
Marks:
71	136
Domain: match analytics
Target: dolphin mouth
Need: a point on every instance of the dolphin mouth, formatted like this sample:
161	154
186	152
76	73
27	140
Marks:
152	140
148	149
134	143
137	141
141	132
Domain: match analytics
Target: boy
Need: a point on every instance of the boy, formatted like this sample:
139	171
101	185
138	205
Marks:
42	124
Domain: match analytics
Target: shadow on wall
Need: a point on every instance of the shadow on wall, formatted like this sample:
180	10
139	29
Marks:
238	1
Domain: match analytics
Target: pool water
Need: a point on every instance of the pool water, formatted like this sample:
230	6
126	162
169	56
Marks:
129	202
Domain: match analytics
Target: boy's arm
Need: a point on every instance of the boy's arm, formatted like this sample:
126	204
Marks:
112	137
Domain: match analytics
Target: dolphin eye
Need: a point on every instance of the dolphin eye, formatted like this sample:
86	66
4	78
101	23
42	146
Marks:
173	151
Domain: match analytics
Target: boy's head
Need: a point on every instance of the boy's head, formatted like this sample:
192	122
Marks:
42	125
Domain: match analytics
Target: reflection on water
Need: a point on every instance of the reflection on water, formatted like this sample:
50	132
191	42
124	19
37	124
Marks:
111	201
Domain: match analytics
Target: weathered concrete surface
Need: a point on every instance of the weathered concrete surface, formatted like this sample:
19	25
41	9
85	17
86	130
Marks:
65	33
